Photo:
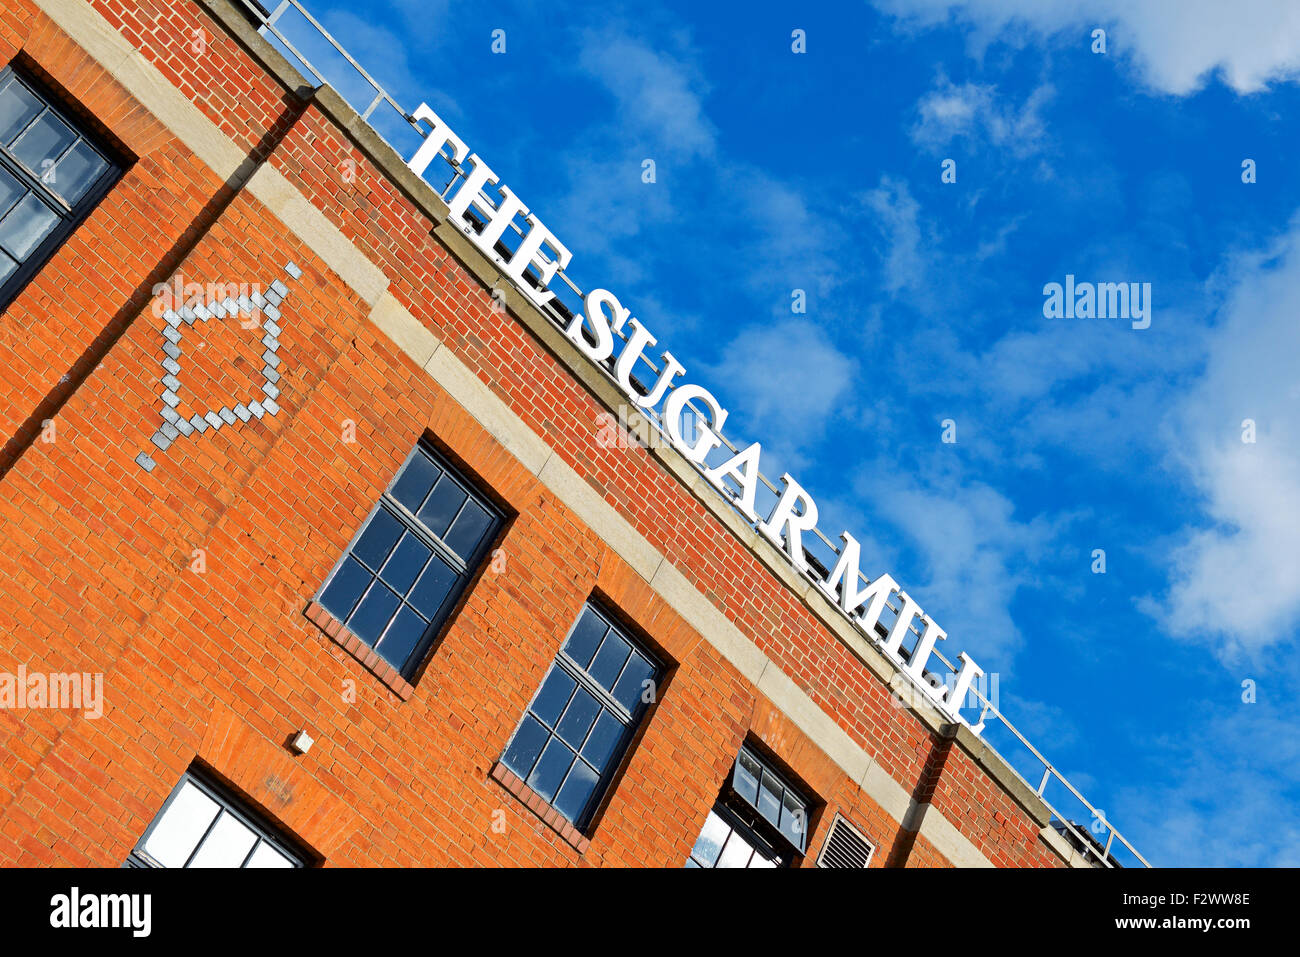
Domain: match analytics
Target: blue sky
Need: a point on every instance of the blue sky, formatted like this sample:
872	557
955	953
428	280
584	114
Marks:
821	171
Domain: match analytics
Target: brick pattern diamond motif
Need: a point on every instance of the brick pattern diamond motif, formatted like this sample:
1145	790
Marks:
174	425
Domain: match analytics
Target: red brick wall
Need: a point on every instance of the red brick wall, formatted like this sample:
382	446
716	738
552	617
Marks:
222	665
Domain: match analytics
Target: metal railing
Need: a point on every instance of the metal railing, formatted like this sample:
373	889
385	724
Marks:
367	96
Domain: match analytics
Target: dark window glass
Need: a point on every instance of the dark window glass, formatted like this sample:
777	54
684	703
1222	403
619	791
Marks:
548	774
610	660
579	724
763	789
346	588
585	639
405	563
400	578
632	683
10	192
602	741
468	529
374	613
745	779
435	585
51	174
378	539
416	481
556	691
80	167
25	226
202	825
43	144
578	788
525	746
18	107
442	506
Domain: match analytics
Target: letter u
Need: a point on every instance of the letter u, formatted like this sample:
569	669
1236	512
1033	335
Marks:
635	348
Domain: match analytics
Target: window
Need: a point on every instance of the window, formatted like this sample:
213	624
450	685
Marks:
51	175
406	569
727	841
202	825
759	820
575	732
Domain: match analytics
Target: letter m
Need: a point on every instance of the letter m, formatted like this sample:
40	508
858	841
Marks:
65	690
842	586
1116	294
115	910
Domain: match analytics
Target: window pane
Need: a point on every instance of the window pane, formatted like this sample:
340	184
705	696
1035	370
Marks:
769	800
25	226
468	530
736	853
17	107
584	641
609	660
555	693
268	856
345	588
43	143
632	685
181	826
443	504
746	779
711	839
550	769
7	267
378	539
200	826
412	486
227	845
578	719
603	741
793	823
76	172
405	564
576	792
10	190
373	614
402	636
433	587
524	748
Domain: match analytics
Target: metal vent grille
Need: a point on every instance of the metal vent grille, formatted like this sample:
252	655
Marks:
845	847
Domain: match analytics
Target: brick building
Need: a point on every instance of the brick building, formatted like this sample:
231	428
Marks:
346	479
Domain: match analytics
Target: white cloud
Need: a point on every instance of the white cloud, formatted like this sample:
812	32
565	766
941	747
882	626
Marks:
976	554
763	232
659	95
969	110
787	380
1175	45
897	215
784	242
1236	582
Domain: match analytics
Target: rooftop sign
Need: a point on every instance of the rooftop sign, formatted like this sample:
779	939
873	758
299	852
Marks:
737	478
